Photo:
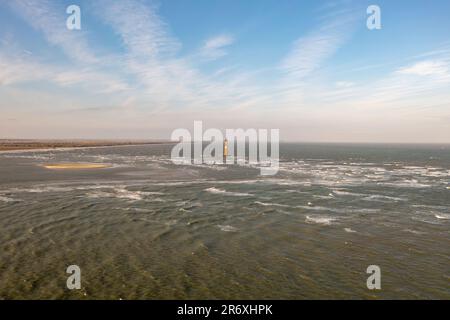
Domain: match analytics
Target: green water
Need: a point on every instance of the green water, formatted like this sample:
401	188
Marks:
148	229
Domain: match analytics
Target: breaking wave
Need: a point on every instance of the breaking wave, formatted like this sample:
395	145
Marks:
227	193
324	220
227	228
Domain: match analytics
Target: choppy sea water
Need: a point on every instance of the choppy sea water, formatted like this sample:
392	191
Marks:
148	229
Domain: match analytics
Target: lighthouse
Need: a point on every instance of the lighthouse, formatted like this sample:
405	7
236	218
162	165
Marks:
225	150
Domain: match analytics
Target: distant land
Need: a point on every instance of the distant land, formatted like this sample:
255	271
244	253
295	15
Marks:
31	144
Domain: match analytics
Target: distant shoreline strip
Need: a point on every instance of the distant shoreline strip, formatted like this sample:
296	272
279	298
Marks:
46	148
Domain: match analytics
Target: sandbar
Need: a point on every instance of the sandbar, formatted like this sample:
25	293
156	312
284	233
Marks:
77	166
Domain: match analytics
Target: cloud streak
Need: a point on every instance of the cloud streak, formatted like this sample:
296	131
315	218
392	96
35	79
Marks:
214	48
152	80
48	17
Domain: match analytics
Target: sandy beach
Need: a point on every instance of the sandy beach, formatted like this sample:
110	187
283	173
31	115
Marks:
59	166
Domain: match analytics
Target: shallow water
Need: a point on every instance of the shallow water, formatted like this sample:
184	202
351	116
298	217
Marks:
148	229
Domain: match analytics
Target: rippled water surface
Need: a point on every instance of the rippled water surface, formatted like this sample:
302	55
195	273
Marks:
148	229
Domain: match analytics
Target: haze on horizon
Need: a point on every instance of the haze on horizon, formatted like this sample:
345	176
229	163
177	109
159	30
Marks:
140	69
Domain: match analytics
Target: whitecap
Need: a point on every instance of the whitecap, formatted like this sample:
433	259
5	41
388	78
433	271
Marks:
99	194
152	193
366	210
347	193
433	207
425	220
405	184
414	231
120	193
325	220
442	216
137	210
349	230
228	193
382	198
7	199
227	228
131	195
341	210
267	204
330	196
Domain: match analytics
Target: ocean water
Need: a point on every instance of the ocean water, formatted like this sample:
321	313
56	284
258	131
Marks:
148	229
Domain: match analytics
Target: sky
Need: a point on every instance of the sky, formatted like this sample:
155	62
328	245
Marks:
141	69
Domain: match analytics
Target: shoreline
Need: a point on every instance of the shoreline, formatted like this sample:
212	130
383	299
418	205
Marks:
45	147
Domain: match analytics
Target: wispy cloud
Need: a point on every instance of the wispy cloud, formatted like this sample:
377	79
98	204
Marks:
142	31
48	17
309	52
427	68
148	76
214	48
18	70
344	84
312	50
86	70
164	79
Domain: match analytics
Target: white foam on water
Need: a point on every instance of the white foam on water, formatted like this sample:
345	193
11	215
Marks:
93	187
433	207
339	210
287	182
43	189
324	220
138	210
442	216
347	193
414	231
182	183
426	220
330	196
153	193
227	228
284	212
319	208
295	191
216	167
366	210
437	174
407	183
122	193
267	204
99	194
57	188
383	198
310	206
130	195
349	230
227	193
7	199
33	157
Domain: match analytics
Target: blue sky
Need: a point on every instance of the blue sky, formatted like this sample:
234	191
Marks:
140	69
